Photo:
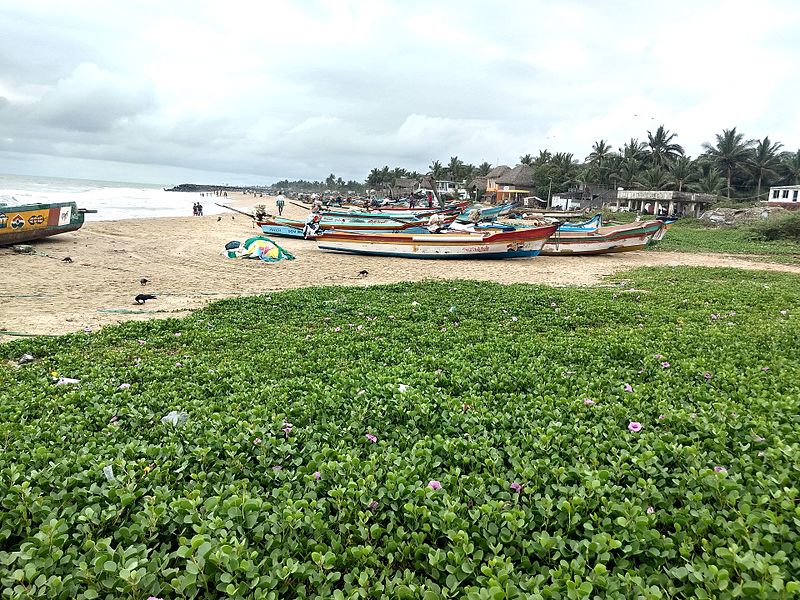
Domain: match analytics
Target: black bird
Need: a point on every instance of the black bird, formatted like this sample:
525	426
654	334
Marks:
142	298
363	273
219	219
143	281
66	259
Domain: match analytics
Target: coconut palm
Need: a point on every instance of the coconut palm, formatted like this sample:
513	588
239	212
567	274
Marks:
600	152
710	180
543	158
484	168
454	168
765	161
663	151
634	149
731	153
436	169
629	171
790	168
526	159
681	171
654	178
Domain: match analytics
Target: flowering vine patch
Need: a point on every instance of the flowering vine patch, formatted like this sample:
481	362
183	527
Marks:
581	449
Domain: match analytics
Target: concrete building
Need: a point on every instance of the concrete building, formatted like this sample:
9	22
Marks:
786	196
663	203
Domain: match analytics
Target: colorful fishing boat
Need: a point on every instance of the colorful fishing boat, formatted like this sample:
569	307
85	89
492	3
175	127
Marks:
490	244
603	240
27	222
488	213
295	228
588	225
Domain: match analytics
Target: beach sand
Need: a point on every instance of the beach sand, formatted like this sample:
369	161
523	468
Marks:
183	261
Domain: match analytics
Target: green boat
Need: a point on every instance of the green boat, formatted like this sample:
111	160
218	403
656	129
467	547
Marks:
21	223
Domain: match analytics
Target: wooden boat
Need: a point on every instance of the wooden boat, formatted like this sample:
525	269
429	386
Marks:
588	225
294	228
26	222
491	244
488	213
616	238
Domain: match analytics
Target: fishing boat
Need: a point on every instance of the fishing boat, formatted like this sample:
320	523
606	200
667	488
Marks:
490	244
488	213
294	228
603	240
21	223
588	225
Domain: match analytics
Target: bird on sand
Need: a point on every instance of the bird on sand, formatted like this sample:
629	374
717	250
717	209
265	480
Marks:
363	273
143	281
66	259
142	298
219	219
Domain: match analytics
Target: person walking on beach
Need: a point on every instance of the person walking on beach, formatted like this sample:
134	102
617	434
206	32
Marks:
199	210
280	201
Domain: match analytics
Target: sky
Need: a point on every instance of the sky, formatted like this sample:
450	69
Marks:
246	92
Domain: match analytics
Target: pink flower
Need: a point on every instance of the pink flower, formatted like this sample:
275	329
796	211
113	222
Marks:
317	475
373	505
665	365
628	388
141	342
514	318
277	468
658	356
287	428
516	487
87	329
707	376
693	415
434	485
124	386
337	329
765	369
371	437
650	510
719	469
588	402
256	441
114	419
177	334
154	598
177	364
661	417
714	317
635	426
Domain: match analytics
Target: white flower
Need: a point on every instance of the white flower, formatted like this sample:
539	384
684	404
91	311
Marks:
402	387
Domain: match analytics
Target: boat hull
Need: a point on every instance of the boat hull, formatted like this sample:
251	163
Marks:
294	228
495	245
29	222
603	240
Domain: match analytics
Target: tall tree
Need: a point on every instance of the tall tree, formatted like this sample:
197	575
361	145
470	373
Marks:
601	150
484	168
634	149
629	172
454	167
663	151
436	169
730	154
526	159
711	182
790	168
544	157
765	161
654	178
681	171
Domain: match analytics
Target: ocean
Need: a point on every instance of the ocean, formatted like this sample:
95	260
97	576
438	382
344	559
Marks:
111	200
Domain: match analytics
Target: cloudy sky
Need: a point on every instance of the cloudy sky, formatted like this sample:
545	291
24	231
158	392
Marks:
250	92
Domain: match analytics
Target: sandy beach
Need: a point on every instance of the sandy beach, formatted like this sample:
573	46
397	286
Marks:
183	261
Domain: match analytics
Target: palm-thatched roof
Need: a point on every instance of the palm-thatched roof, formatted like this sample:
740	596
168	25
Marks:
479	183
519	176
498	171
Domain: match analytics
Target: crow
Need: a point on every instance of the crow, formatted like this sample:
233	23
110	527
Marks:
219	219
66	259
363	273
143	281
142	298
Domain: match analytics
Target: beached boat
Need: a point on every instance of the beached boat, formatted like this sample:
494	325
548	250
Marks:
603	240
490	244
488	213
294	227
21	223
588	225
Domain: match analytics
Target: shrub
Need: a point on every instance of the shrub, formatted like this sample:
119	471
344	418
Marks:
783	227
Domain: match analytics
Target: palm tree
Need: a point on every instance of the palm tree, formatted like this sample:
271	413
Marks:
730	153
790	168
454	168
629	172
710	183
654	178
682	170
436	169
662	149
765	161
484	168
634	149
544	158
600	152
526	159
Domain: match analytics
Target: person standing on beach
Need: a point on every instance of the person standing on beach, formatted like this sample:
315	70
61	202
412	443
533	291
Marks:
280	201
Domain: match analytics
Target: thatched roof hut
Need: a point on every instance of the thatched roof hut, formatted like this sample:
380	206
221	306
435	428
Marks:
403	187
498	171
520	177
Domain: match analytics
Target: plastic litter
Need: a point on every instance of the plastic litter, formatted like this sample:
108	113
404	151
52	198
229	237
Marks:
25	358
175	418
108	471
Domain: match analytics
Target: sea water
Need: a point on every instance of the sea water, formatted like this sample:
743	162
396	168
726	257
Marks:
111	200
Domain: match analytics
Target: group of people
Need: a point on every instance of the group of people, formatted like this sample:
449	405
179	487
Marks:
197	209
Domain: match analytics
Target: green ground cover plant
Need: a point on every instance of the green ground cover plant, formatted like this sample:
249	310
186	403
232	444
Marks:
689	235
427	440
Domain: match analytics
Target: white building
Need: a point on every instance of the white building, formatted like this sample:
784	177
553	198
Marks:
787	196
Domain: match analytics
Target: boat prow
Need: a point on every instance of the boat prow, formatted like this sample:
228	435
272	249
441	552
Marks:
27	222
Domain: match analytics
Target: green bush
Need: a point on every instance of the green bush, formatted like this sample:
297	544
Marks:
429	440
782	227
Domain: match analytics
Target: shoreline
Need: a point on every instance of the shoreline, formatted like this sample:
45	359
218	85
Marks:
182	257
